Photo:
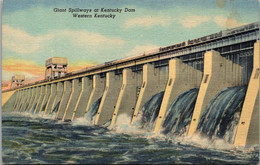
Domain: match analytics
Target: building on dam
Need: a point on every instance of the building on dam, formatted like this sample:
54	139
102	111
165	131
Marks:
211	64
55	67
17	80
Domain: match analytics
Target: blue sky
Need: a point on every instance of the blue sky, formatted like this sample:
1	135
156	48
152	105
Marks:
33	32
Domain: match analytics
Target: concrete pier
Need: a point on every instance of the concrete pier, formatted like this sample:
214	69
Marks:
98	88
45	97
218	74
248	126
182	77
34	102
154	81
31	98
53	91
65	99
109	98
26	100
93	91
83	99
17	101
6	97
39	102
76	88
22	99
58	96
128	94
69	98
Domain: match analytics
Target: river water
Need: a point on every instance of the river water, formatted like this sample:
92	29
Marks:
40	139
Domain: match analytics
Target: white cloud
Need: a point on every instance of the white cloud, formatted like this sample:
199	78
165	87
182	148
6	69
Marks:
141	49
21	42
193	21
84	38
149	21
227	22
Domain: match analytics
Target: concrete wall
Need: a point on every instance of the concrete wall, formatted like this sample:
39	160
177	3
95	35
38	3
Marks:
219	73
119	93
17	99
26	100
128	94
82	102
182	77
77	88
30	95
53	92
21	101
248	126
93	91
154	81
109	98
41	96
35	100
65	99
8	100
31	98
17	102
45	97
69	98
58	96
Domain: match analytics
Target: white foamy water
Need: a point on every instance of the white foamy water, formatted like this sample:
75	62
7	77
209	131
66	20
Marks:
82	121
35	115
41	139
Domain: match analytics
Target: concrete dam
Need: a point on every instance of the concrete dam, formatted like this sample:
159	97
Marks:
207	85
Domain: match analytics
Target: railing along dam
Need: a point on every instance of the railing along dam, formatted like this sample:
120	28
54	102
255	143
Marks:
207	85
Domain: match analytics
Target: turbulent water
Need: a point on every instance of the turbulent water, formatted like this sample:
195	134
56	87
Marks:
33	109
222	114
55	110
179	115
92	112
40	139
150	110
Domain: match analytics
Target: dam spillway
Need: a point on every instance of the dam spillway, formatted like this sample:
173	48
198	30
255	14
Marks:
210	64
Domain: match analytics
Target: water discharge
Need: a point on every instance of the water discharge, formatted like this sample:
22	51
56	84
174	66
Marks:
36	139
33	109
150	110
90	116
39	138
56	107
179	114
222	114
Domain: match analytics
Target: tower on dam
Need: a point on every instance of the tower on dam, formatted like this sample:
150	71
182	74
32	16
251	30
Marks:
17	80
55	67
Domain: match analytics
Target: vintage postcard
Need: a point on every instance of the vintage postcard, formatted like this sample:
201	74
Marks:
130	82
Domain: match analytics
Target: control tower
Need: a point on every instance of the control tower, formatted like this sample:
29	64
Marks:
17	80
56	67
